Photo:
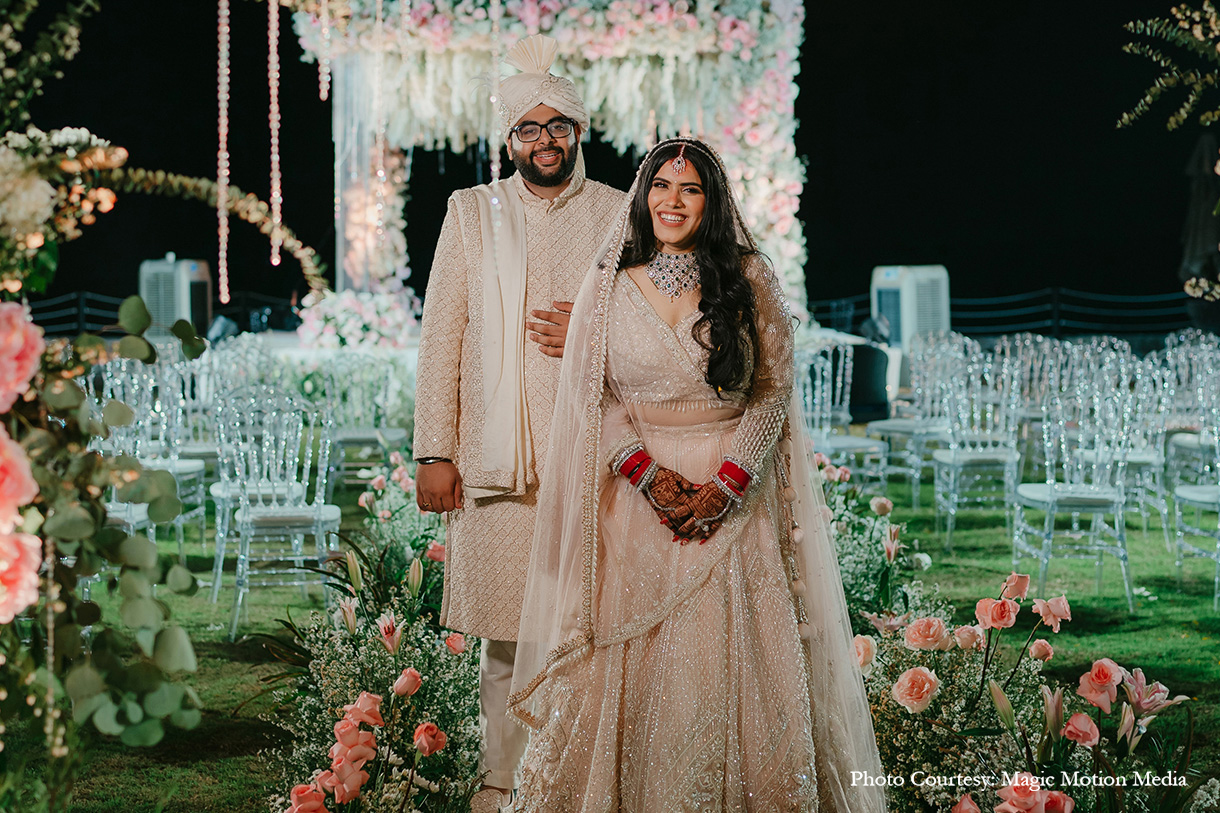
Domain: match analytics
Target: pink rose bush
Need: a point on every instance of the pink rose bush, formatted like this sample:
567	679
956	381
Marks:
17	485
20	558
965	805
1042	650
866	652
915	689
21	349
927	633
456	643
1082	730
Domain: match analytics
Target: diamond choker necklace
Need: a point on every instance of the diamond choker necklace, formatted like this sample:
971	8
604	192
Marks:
674	274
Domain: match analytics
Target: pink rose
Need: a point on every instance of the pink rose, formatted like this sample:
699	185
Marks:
408	682
866	652
21	349
429	739
927	633
391	632
1053	612
1058	802
366	709
1080	728
830	474
994	614
344	780
915	689
1023	794
844	474
307	799
396	459
965	805
820	460
378	483
352	744
366	499
20	558
435	551
1042	650
456	643
1016	586
970	636
17	485
881	506
1100	684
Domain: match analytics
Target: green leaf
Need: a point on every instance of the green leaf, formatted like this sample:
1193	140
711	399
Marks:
134	584
106	719
186	718
145	734
164	701
174	652
147	639
181	580
68	641
116	413
84	682
63	395
83	710
70	521
184	330
132	711
134	316
137	551
164	508
134	347
88	344
192	346
142	613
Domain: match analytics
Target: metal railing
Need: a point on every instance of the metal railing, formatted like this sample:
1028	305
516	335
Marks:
72	314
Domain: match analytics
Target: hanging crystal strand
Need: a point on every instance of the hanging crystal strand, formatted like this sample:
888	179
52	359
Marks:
497	207
379	139
273	119
222	151
324	56
54	743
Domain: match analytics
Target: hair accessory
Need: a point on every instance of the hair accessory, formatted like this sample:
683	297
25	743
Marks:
674	274
678	165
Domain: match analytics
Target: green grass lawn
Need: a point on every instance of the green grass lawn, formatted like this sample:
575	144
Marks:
1174	636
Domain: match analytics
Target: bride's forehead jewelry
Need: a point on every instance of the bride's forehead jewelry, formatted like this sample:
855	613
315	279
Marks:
678	165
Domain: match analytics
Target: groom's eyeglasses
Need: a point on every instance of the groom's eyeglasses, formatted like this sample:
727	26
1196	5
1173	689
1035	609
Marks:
529	131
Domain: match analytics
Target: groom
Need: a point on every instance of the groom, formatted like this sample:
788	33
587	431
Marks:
483	399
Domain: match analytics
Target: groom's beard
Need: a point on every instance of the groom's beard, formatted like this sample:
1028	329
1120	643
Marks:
554	175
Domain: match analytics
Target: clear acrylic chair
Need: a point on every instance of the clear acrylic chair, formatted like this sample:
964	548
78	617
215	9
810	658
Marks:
981	465
357	388
1204	498
275	454
1089	418
865	456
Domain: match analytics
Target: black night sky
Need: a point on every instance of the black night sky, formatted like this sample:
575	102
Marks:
977	135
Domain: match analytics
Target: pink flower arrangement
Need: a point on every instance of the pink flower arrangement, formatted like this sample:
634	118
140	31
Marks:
17	485
1058	802
353	744
1100	684
435	551
456	643
1016	586
970	636
408	682
21	349
20	557
1081	729
915	689
965	805
1023	795
1042	650
993	614
429	739
927	633
831	474
402	477
378	483
366	499
307	799
1053	612
866	652
344	780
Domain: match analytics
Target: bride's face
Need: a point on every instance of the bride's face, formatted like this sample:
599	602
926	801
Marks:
675	201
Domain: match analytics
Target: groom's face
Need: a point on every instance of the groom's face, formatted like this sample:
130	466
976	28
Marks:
549	161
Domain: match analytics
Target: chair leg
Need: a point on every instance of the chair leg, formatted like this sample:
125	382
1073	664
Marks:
1179	538
218	562
951	520
240	583
1124	566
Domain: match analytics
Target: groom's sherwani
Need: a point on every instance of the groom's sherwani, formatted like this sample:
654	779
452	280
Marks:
488	542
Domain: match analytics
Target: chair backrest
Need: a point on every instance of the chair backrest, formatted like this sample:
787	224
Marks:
841	358
814	378
1086	432
982	404
356	387
274	447
936	358
135	384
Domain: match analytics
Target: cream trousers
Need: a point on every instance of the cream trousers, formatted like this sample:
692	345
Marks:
504	741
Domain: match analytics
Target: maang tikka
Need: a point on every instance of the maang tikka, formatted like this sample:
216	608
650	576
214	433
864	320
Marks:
678	165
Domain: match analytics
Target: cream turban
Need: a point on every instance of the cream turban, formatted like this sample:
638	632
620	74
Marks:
536	85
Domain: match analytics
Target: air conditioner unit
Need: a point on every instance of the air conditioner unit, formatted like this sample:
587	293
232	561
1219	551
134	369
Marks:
914	299
176	289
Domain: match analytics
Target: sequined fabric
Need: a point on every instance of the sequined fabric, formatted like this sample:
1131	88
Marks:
489	541
695	693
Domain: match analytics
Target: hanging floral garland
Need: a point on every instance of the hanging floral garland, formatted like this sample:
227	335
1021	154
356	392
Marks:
648	68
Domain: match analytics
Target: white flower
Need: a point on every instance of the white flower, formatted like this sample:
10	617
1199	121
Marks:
26	200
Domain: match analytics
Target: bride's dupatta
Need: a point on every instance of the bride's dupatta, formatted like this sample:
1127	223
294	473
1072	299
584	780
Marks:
558	626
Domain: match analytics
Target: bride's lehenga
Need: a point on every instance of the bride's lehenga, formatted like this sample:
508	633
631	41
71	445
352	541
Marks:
697	677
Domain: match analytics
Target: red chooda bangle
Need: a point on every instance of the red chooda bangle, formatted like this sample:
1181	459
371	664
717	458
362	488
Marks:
635	467
734	477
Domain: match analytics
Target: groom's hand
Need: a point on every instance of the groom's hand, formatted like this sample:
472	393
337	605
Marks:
551	331
438	487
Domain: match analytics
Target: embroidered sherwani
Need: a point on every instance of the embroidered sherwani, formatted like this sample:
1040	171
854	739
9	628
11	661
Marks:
488	542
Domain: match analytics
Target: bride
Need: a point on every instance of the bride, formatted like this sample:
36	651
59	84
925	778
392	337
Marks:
684	643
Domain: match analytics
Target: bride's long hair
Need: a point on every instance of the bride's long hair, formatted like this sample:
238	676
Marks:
727	298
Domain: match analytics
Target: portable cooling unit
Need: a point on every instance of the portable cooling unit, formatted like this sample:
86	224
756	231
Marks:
176	289
914	299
